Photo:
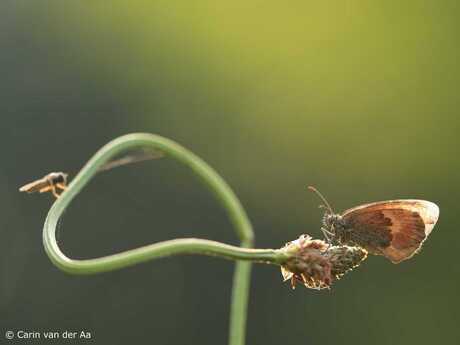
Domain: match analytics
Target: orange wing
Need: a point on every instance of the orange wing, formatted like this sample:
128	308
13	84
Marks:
394	228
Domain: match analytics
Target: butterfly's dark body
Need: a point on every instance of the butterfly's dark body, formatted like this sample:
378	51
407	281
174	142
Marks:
373	234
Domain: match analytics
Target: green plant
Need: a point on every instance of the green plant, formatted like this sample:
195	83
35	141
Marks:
310	262
236	213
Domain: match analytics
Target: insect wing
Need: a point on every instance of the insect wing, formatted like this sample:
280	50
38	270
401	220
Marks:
130	159
34	186
394	228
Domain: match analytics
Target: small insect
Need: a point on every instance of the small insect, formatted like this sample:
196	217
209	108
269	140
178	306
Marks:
395	229
51	182
58	180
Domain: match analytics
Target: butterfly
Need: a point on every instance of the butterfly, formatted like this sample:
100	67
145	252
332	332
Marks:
395	229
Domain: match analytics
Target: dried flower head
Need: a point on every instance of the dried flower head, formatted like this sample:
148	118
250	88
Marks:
316	264
344	259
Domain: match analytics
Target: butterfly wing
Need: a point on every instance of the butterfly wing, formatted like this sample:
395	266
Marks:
395	229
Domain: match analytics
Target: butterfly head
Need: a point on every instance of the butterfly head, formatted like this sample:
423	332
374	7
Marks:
332	222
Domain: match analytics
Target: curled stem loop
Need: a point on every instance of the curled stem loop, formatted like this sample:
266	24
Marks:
244	254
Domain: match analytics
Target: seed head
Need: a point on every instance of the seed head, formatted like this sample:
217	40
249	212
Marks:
316	264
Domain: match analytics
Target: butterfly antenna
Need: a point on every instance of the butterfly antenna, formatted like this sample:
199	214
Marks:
326	204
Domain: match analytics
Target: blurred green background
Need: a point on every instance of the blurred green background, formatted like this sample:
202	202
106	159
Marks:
357	98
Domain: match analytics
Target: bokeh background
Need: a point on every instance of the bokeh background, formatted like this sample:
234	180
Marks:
357	98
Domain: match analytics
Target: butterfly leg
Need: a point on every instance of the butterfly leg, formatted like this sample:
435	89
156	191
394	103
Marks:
327	234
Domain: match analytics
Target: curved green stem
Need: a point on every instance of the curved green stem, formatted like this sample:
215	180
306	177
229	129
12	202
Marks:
163	249
216	184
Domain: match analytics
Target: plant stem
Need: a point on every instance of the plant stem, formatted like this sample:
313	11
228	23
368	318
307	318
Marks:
218	187
164	249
